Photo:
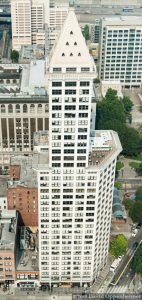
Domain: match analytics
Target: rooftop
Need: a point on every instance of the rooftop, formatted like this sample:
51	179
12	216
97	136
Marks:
3	186
29	52
29	79
103	145
41	138
117	204
28	176
34	77
8	227
27	252
123	20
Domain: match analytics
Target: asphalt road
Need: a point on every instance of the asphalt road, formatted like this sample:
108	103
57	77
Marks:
127	258
88	14
5	52
124	283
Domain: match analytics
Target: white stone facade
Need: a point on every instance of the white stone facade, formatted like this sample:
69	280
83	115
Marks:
76	186
19	121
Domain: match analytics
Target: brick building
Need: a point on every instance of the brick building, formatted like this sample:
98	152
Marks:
14	172
25	201
22	191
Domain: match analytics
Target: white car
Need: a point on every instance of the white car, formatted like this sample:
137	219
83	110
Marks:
134	232
120	257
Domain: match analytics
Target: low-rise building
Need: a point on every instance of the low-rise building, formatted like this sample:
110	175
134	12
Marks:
22	194
29	52
8	244
27	269
3	194
23	107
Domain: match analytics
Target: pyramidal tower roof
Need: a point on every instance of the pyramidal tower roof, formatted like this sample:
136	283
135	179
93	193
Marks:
70	49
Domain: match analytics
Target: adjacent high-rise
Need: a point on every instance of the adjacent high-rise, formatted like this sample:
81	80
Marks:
76	185
28	22
121	50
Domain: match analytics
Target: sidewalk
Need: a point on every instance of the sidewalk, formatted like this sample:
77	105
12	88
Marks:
100	280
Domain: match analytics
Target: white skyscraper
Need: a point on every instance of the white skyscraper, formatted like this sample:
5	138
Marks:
28	21
76	186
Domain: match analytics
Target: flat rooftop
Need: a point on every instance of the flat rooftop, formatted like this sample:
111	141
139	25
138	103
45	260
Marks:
3	185
33	76
122	21
7	97
41	138
28	257
28	176
29	52
8	226
104	144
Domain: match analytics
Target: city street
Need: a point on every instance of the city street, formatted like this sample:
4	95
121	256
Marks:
127	258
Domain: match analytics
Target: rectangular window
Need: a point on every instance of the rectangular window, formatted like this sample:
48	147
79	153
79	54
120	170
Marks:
56	92
84	83
70	69
57	69
85	69
56	84
66	165
70	83
70	92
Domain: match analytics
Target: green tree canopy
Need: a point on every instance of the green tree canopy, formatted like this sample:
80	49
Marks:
136	264
128	203
136	211
128	104
14	55
86	32
119	165
139	193
119	245
139	169
111	114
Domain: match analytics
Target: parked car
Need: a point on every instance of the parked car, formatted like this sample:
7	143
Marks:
135	245
134	232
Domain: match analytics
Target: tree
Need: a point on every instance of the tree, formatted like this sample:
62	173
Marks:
14	55
119	165
131	140
135	212
111	95
139	169
140	108
118	185
86	32
128	203
112	115
136	264
128	104
139	193
119	245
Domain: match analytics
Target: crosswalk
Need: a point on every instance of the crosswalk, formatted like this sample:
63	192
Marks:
117	289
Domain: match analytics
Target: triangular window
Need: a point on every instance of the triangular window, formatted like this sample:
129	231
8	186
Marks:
71	32
67	43
71	54
63	54
75	43
79	54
